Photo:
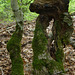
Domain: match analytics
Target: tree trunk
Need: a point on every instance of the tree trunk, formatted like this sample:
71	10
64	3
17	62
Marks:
14	44
45	60
43	63
62	31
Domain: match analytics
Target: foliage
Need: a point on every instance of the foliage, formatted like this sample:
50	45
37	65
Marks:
6	13
25	8
5	9
71	6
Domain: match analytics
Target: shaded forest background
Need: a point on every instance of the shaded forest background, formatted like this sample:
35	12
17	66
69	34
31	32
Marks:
6	14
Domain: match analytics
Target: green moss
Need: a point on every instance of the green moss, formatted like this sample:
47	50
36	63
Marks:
67	35
68	25
59	52
63	33
39	45
54	67
17	66
13	46
14	41
59	55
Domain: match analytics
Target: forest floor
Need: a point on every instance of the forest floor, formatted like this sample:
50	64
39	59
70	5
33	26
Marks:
6	31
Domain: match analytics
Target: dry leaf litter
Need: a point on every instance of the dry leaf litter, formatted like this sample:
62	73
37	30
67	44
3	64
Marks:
26	49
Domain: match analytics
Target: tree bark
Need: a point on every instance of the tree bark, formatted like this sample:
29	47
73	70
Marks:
45	60
49	6
14	44
43	63
62	31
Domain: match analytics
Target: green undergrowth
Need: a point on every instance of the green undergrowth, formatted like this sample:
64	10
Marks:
30	16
